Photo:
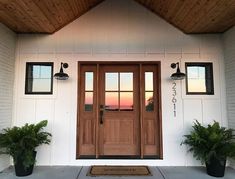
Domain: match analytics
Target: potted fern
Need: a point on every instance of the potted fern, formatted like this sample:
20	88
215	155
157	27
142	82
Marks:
211	145
21	142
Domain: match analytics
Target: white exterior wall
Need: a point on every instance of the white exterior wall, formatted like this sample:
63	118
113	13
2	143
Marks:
118	31
7	67
229	55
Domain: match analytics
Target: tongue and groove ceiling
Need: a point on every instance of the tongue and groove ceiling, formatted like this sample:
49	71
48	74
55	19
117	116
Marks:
48	16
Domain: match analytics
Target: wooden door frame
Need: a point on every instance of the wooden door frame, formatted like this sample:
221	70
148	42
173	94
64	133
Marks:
140	63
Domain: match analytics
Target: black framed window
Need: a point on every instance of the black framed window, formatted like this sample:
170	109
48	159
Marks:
39	78
199	79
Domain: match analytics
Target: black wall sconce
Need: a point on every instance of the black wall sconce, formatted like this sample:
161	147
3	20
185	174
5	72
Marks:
177	75
61	75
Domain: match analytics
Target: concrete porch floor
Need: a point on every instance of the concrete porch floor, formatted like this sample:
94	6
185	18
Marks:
76	172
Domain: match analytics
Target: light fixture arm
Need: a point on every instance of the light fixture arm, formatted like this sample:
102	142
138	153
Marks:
178	68
61	68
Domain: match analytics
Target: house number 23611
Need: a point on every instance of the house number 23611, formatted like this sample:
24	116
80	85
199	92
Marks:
174	97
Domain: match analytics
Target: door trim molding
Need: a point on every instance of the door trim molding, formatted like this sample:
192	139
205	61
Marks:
140	63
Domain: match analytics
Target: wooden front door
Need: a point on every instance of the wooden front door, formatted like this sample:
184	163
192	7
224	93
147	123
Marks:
118	111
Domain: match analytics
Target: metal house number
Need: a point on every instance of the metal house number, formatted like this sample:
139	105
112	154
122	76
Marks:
174	98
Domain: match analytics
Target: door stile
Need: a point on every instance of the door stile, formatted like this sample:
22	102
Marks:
97	114
155	89
141	113
160	109
101	102
78	113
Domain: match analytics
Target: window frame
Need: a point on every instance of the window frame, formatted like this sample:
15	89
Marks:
201	64
51	64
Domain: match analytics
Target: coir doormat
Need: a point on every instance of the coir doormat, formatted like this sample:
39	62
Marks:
119	171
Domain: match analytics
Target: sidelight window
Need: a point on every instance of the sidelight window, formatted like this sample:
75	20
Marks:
149	100
89	91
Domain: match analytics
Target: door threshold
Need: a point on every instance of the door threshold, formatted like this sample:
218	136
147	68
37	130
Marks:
119	157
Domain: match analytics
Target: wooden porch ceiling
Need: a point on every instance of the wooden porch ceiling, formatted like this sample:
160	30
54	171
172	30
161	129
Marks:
195	16
42	16
48	16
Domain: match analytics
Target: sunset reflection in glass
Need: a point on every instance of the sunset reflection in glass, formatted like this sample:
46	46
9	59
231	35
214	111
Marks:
149	99
88	101
89	91
126	101
119	91
111	101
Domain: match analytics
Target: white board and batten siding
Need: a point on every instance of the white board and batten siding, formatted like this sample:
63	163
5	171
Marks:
7	68
229	56
105	34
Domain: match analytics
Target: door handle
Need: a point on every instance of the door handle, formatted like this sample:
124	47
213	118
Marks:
101	114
